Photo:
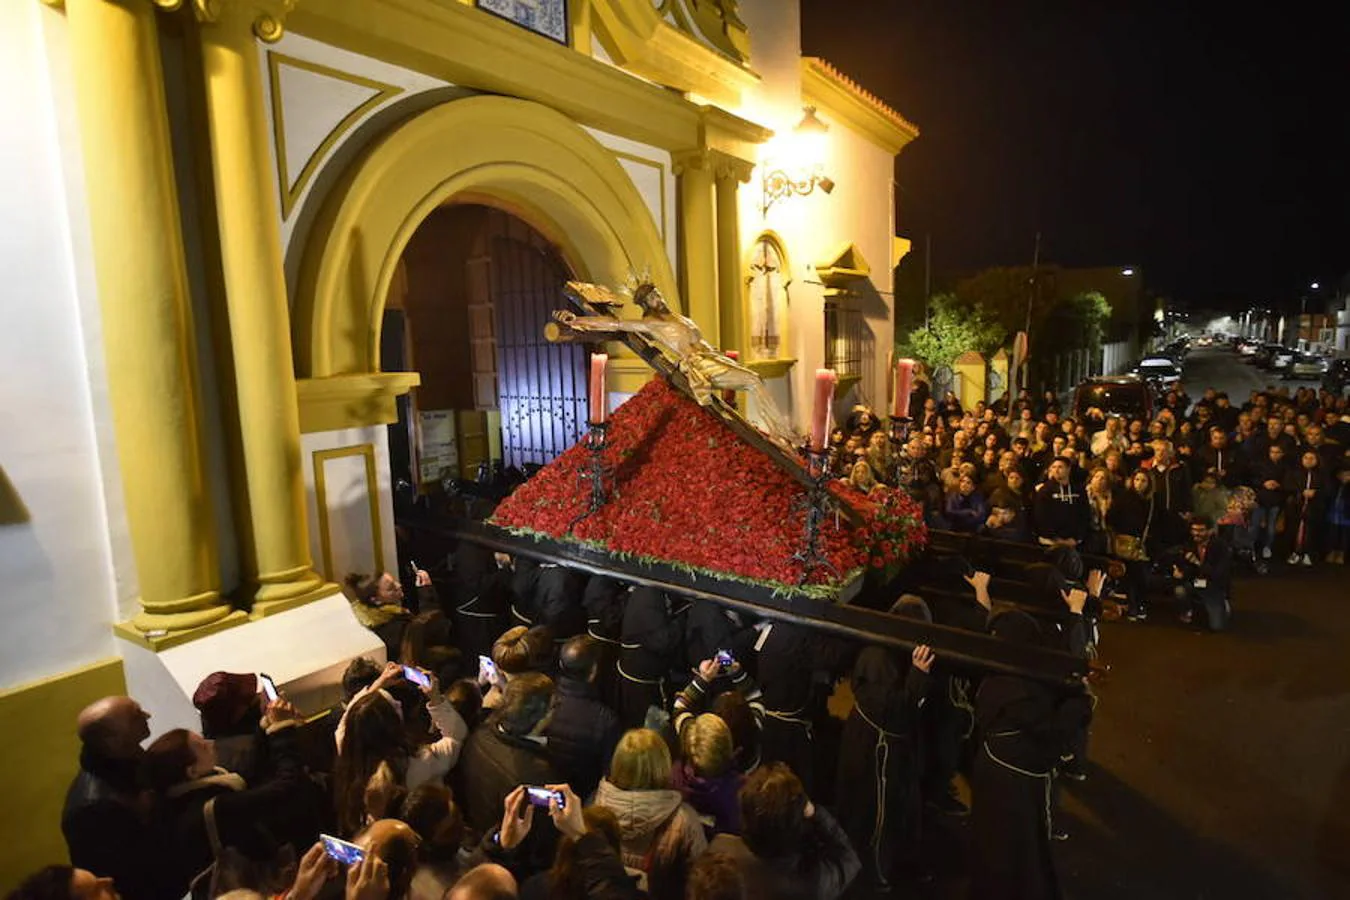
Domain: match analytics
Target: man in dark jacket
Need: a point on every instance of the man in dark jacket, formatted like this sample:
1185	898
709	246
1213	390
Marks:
1059	511
582	732
1203	575
1226	462
1171	492
504	752
1268	480
106	821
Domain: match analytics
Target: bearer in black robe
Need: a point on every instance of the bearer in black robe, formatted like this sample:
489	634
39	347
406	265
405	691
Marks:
880	755
558	594
710	628
1025	727
797	668
604	600
650	646
524	582
480	599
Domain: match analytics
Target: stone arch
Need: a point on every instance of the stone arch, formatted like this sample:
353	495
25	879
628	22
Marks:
521	156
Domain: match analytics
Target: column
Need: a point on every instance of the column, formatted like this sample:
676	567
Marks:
146	319
731	271
698	242
255	298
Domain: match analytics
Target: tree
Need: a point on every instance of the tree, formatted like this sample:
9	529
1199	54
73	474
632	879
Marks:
953	329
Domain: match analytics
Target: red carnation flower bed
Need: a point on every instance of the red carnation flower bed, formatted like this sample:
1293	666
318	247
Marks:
690	492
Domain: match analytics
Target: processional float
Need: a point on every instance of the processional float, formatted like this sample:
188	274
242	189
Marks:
680	491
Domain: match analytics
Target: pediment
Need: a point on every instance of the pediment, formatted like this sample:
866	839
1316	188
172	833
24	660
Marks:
697	46
844	265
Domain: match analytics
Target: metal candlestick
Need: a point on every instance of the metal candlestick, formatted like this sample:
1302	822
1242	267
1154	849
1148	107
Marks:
817	501
597	471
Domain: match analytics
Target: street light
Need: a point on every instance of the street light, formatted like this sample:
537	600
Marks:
1314	285
1127	272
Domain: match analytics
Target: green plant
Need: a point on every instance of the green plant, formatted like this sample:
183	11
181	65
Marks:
953	328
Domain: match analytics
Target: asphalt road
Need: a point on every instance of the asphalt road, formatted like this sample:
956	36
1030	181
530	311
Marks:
1221	762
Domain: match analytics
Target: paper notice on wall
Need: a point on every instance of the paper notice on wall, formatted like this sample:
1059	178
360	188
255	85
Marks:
436	447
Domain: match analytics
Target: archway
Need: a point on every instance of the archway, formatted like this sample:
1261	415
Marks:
467	308
514	154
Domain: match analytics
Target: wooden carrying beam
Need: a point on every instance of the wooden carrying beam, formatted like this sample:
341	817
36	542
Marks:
964	649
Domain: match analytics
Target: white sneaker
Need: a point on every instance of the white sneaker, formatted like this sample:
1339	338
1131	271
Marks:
1293	559
1307	560
1265	553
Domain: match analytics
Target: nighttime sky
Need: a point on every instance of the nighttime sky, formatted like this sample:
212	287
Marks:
1213	152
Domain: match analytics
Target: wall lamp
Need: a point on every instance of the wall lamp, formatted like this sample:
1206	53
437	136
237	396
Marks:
780	182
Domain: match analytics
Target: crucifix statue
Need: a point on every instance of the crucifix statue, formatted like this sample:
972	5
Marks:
706	370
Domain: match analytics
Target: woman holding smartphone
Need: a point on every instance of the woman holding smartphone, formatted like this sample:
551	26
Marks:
377	603
394	737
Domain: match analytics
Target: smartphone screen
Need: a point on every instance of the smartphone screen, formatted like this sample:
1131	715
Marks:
540	796
269	687
417	676
342	851
487	668
724	658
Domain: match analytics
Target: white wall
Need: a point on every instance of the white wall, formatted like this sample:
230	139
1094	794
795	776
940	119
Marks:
59	596
652	174
346	514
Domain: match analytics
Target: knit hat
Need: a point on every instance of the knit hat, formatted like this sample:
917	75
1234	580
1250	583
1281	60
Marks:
223	698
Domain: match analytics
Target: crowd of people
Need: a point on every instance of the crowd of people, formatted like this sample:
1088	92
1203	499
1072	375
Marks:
545	734
548	735
1173	496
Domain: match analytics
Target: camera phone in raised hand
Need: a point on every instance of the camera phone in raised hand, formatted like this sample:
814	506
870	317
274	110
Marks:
344	852
417	676
269	688
540	796
725	659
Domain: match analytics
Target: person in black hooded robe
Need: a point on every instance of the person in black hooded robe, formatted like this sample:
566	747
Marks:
649	651
558	594
524	589
710	628
604	599
1025	726
796	668
480	599
880	758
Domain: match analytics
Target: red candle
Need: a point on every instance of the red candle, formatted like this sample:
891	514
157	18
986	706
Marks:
904	382
729	396
599	398
824	409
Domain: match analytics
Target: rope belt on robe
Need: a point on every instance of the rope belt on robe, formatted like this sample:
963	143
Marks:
881	754
1046	777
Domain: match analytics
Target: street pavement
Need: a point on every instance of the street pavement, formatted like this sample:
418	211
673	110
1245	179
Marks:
1221	762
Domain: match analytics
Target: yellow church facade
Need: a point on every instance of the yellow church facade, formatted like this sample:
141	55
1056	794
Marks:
270	262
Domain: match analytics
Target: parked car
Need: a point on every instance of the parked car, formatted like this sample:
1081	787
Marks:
1305	365
1337	376
1282	359
1265	357
1160	372
1247	347
1126	395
